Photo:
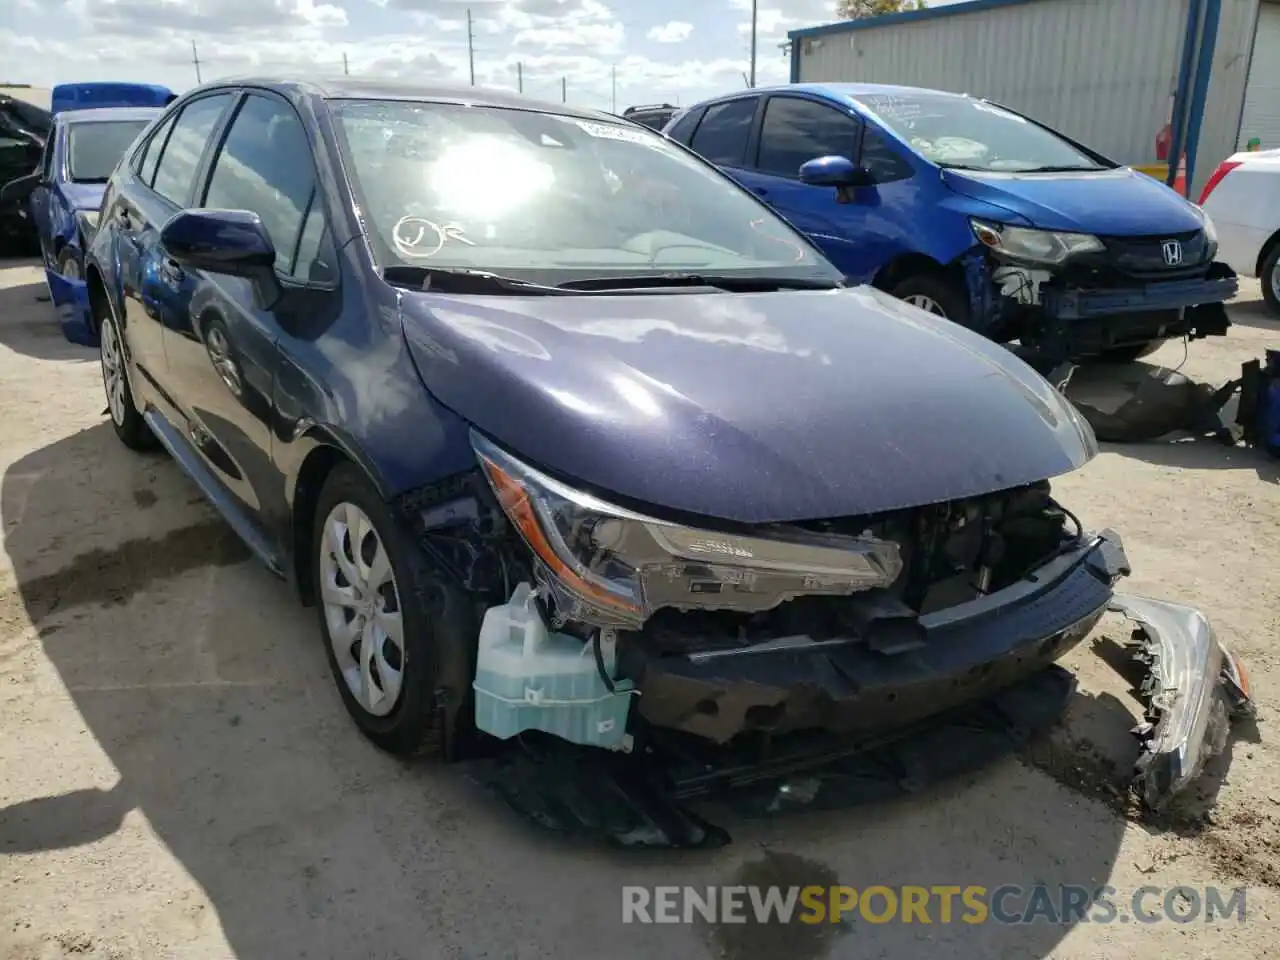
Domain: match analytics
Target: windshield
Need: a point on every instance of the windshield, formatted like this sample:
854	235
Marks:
552	199
94	147
973	135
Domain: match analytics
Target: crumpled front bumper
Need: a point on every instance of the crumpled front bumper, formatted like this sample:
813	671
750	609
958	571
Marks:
71	300
1070	303
849	685
1194	688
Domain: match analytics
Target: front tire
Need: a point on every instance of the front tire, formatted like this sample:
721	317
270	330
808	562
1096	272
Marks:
936	295
125	418
392	627
69	264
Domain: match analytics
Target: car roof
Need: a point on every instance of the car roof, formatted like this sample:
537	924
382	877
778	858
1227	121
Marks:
97	114
840	91
361	88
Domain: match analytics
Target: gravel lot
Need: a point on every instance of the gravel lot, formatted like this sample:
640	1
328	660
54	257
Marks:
178	777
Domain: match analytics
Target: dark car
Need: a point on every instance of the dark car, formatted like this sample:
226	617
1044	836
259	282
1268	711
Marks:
975	213
542	412
24	129
655	116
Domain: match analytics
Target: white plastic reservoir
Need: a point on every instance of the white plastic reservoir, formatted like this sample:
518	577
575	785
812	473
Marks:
529	678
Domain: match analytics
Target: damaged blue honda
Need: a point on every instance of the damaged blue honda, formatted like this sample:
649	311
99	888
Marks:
603	483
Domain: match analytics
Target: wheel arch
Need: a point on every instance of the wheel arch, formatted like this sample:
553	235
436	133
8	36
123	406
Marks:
327	451
1267	248
909	265
99	297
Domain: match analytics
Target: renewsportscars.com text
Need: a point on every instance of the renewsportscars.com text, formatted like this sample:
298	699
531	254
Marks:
940	904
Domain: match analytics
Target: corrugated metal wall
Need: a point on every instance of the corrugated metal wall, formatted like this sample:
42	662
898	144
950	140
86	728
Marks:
1101	71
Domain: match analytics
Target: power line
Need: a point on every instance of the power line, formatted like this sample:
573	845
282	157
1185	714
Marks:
195	59
471	49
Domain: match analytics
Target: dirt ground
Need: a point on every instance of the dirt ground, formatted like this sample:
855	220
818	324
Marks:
178	777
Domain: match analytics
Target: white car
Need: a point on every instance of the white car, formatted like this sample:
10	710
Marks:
1243	200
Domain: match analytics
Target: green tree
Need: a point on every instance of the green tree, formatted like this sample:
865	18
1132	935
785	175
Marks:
860	9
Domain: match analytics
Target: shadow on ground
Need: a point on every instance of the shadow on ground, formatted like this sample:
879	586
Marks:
29	323
205	685
1255	314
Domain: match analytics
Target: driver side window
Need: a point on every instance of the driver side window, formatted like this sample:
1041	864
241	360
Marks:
796	131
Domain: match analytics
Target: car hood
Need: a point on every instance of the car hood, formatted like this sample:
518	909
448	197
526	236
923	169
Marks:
84	196
746	407
1107	203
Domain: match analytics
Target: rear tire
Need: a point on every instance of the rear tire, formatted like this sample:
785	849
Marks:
935	295
1270	277
69	264
397	635
117	383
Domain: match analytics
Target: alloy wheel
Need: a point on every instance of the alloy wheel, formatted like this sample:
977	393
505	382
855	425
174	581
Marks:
362	609
71	269
114	379
1274	280
927	304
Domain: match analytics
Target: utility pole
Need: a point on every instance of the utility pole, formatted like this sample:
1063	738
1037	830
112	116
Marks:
346	70
195	58
564	90
471	49
754	14
520	76
613	81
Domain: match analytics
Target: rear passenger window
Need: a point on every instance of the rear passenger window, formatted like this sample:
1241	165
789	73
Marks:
265	165
796	131
682	129
151	152
882	158
176	172
722	136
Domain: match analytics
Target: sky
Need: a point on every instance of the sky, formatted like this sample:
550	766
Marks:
675	51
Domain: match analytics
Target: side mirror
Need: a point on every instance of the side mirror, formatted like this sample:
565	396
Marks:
835	172
15	191
231	242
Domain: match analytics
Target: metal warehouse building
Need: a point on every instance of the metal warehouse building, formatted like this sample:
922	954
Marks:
1112	74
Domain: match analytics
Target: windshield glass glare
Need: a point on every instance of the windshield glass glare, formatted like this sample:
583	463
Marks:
962	132
95	147
551	199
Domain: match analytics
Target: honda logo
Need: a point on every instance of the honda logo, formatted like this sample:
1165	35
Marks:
1172	250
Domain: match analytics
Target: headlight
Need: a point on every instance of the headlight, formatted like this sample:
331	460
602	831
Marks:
1210	231
1034	246
610	566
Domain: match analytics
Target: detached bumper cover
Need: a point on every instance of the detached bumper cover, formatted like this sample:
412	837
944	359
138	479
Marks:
1194	688
845	686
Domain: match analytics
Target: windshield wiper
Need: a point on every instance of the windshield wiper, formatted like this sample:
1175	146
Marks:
1063	168
462	280
652	281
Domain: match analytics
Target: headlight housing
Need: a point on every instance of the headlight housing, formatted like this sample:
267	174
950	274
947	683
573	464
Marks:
1033	246
88	220
612	567
1210	236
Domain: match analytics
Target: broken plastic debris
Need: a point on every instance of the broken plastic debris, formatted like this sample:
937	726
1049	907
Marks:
1194	687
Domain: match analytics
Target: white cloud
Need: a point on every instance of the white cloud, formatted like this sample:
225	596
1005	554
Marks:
675	31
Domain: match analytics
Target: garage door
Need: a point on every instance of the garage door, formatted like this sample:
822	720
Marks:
1261	117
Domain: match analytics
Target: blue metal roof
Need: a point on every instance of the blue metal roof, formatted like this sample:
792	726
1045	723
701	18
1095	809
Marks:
908	16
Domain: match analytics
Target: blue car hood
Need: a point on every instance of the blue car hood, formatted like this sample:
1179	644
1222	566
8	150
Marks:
746	407
1107	203
84	196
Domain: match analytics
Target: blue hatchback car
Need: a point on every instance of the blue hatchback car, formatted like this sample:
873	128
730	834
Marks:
531	398
975	213
64	194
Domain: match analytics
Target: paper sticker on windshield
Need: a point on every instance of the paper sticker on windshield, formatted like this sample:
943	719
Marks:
613	131
992	108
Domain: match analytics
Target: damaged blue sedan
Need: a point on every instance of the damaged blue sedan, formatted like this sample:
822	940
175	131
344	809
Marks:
574	446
